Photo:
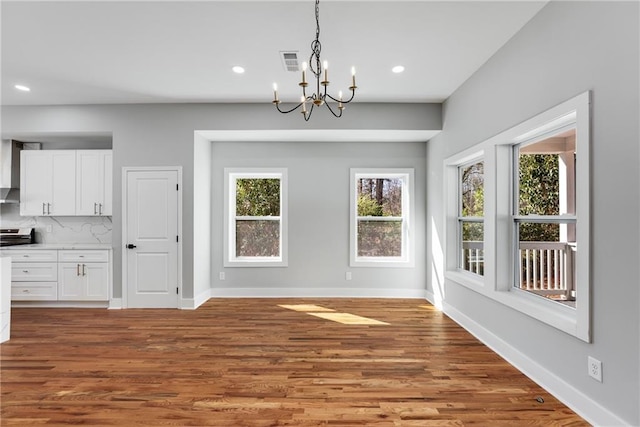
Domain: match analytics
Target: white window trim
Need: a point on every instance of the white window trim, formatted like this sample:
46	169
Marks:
230	177
499	265
407	260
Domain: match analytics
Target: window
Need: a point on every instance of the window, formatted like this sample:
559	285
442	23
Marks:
380	217
470	218
533	182
256	217
544	216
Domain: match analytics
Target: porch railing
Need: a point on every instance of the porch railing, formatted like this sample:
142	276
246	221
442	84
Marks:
545	268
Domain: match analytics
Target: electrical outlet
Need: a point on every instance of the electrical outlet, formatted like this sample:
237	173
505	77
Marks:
221	275
595	369
347	275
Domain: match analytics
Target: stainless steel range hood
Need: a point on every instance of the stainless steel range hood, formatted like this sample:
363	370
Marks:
10	171
10	168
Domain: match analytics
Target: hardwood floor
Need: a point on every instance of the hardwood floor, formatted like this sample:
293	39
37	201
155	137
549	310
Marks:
250	362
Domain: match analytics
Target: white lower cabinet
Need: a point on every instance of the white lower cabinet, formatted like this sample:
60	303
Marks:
60	275
83	281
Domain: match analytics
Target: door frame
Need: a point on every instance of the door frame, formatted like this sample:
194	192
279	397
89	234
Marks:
125	227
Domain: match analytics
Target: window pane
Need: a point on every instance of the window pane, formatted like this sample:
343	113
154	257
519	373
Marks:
258	197
546	180
546	264
472	189
257	238
379	238
472	257
379	197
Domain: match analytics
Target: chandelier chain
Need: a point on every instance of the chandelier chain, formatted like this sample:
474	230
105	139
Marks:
320	96
316	46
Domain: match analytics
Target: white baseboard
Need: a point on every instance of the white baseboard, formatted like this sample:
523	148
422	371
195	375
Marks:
115	304
575	399
60	304
316	293
197	301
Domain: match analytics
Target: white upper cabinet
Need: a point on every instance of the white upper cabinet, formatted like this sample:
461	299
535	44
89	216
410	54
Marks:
93	183
66	182
47	182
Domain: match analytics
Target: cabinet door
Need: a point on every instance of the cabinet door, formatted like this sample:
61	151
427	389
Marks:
83	282
36	186
47	182
70	282
94	187
96	281
63	201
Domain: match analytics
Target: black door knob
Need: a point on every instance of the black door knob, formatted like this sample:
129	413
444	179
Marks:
130	246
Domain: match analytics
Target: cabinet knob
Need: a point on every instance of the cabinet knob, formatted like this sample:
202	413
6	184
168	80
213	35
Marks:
25	271
26	291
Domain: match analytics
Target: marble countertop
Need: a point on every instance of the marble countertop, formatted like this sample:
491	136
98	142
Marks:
36	246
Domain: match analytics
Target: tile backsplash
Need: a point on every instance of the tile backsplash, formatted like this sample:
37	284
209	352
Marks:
63	229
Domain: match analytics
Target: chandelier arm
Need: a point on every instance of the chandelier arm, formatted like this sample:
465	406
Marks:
308	116
331	109
288	111
353	93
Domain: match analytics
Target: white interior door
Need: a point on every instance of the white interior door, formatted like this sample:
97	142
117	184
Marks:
151	233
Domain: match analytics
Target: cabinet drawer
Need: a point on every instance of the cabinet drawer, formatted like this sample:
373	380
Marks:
30	291
34	272
95	255
32	255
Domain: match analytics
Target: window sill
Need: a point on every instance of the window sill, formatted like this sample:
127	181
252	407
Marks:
255	263
466	279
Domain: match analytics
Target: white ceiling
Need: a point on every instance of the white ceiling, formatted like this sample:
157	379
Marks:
86	52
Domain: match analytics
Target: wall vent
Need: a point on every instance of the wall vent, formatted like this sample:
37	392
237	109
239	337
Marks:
290	60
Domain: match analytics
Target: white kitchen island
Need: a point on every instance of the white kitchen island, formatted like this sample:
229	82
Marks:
5	298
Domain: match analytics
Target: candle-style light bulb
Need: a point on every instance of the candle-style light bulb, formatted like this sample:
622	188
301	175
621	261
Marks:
325	65
340	95
353	77
304	72
275	92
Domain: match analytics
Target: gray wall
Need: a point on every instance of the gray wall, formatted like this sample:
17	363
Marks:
165	135
318	209
568	48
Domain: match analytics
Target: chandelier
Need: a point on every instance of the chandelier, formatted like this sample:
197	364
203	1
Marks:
320	96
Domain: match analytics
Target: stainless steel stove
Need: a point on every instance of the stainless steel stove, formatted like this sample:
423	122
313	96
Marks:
16	236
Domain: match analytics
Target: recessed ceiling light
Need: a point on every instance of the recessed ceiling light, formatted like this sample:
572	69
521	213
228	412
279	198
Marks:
238	69
398	69
22	88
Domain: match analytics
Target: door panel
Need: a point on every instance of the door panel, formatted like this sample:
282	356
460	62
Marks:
152	229
155	267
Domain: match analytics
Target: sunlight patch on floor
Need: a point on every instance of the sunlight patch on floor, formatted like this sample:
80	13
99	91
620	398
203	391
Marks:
348	319
330	314
305	308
